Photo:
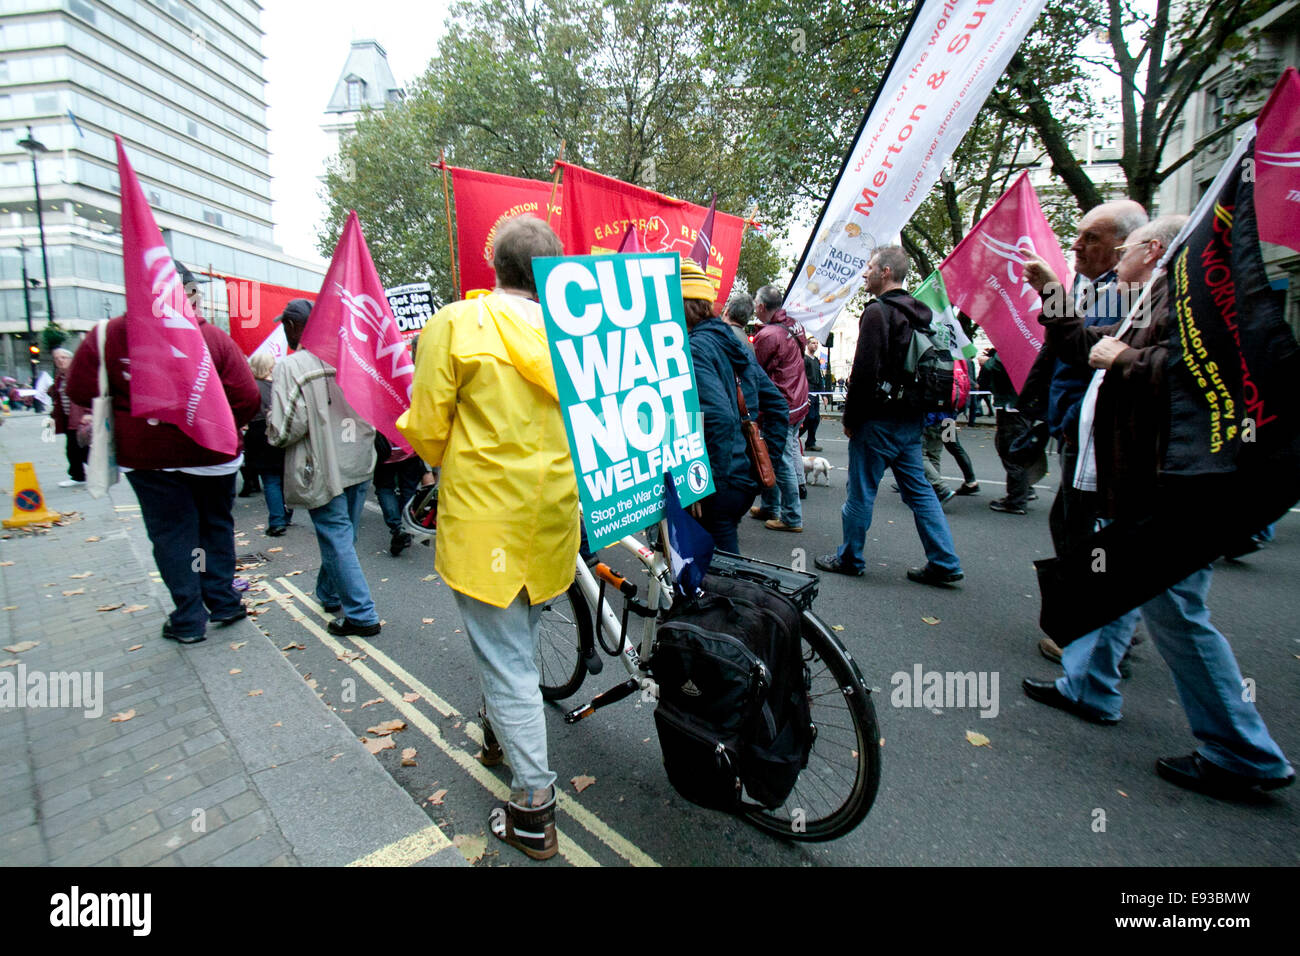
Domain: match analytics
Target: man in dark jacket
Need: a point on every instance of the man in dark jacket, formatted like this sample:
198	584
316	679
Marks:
186	492
884	428
779	347
720	362
1129	412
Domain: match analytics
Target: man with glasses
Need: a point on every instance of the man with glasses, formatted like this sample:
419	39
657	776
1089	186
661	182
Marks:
1237	757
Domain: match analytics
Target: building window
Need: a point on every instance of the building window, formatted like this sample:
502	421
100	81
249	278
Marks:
356	93
1215	107
192	128
212	218
82	9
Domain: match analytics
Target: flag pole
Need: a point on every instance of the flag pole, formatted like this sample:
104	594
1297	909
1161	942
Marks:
555	184
451	239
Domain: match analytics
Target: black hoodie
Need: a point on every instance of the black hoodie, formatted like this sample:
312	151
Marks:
884	336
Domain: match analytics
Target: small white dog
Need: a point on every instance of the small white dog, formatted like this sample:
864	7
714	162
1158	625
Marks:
812	467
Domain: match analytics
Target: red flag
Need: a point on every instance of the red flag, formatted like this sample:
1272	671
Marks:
352	328
600	211
1277	164
985	275
704	238
254	307
172	376
484	203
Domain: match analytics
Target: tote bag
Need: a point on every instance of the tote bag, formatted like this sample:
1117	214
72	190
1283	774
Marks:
101	464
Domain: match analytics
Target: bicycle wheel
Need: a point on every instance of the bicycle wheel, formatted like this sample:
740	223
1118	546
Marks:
836	789
565	630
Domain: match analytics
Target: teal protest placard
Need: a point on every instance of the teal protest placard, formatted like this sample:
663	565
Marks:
618	342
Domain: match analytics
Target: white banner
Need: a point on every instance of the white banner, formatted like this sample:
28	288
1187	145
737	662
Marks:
948	63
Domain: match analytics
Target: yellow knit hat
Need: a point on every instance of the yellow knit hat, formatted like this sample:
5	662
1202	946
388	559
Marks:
696	283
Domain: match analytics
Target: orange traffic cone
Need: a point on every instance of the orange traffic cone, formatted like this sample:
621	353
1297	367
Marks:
29	503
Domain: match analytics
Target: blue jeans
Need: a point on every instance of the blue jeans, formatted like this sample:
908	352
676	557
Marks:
188	518
504	641
341	580
277	516
875	446
782	499
1205	672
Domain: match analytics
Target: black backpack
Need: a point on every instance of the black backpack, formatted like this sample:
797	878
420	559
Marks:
733	695
927	383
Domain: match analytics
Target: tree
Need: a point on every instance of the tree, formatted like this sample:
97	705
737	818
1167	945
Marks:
623	85
1160	58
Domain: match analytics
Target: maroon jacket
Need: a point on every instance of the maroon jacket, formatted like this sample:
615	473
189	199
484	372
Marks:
160	445
779	347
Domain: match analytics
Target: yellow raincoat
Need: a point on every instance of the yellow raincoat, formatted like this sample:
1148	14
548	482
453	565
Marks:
485	408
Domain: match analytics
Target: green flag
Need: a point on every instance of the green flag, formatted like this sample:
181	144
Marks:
933	294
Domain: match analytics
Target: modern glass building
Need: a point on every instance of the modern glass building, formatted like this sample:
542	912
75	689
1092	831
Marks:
182	84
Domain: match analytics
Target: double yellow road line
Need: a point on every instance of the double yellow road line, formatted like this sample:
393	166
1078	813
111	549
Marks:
416	718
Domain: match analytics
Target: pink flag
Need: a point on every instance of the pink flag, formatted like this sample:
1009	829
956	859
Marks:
1277	164
172	376
704	238
352	328
985	275
630	241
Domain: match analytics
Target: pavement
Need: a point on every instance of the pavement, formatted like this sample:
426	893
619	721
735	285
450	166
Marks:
217	753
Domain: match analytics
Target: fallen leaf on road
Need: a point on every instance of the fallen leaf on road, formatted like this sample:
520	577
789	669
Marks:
122	717
83	574
977	740
386	728
410	697
133	608
292	573
471	848
335	757
436	799
426	620
377	700
382	580
350	656
311	682
21	646
278	723
408	757
273	550
235	670
930	620
76	591
109	607
254	693
9	662
93	537
11	607
581	782
236	645
295	646
429	577
837	627
378	744
6	564
1121	793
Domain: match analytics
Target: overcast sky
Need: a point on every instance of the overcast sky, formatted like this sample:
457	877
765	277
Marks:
306	47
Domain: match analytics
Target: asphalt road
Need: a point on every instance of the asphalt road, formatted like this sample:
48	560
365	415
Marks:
1048	789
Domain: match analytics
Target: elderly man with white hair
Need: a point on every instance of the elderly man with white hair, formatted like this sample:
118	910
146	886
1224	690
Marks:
68	417
1237	756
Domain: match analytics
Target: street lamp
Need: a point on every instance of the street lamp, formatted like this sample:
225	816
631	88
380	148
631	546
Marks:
34	146
28	285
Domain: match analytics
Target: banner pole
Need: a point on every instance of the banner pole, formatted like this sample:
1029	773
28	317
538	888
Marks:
451	238
555	183
812	236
